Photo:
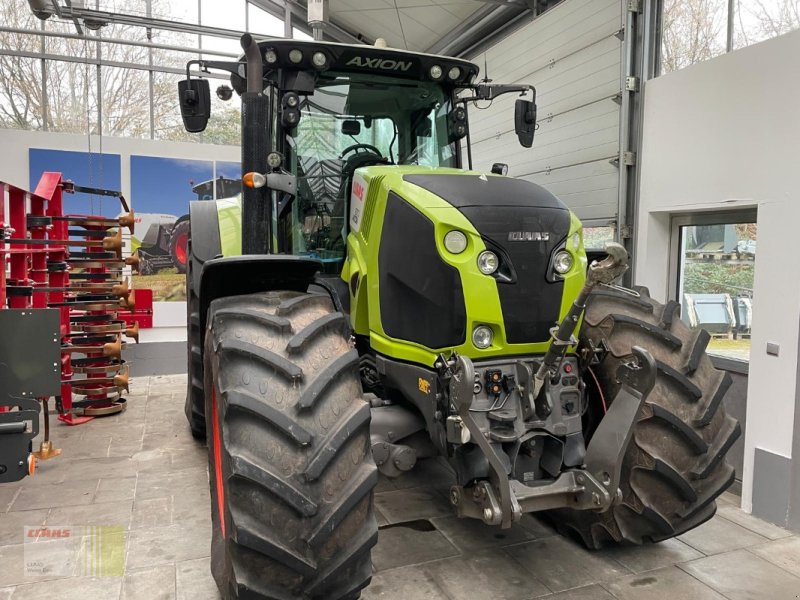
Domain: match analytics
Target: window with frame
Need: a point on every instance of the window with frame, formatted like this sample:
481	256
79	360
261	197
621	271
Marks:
713	278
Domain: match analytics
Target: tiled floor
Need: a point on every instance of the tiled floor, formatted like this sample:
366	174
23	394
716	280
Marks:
143	471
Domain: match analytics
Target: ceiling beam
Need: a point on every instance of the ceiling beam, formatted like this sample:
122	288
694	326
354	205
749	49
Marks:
334	31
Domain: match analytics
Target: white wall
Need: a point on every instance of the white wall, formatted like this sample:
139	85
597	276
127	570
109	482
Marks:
168	317
720	135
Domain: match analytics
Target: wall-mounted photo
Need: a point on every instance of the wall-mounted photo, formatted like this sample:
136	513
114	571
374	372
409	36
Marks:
85	169
161	189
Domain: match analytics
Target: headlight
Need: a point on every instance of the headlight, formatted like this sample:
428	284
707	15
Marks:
482	336
563	262
295	55
488	262
319	59
274	160
436	72
455	242
271	56
454	73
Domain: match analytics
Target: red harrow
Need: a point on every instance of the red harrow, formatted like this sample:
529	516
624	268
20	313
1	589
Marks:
65	309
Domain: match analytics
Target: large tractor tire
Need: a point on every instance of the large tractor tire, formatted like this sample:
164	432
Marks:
674	467
291	469
179	246
195	396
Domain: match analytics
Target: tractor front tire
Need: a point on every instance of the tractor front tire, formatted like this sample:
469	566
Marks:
291	469
674	467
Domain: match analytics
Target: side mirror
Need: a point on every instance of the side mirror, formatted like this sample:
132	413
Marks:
194	96
525	121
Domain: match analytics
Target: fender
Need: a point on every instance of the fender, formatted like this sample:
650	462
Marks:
252	273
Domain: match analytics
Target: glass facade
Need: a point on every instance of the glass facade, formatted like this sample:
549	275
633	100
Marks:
120	79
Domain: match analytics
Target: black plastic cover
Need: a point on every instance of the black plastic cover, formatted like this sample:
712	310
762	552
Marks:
421	296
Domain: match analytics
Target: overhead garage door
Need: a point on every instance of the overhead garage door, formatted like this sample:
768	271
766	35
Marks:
572	55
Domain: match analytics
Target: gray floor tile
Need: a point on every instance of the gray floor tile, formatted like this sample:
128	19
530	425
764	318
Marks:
662	584
720	535
485	574
411	504
117	489
6	497
12	525
69	469
194	510
194	581
152	512
727	498
159	485
105	513
160	545
382	520
538	527
409	583
69	493
785	553
561	564
470	534
590	592
738	516
653	556
56	560
151	583
403	545
740	575
78	588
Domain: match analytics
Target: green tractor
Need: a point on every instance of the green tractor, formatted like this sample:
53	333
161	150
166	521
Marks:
371	301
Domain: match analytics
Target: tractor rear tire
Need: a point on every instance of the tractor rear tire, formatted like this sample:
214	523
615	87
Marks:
674	467
195	396
290	463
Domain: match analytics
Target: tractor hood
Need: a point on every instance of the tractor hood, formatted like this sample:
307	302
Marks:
469	190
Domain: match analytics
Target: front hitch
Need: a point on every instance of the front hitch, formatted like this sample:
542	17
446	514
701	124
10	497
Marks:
501	500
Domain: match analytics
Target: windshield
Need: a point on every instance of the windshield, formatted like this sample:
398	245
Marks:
353	121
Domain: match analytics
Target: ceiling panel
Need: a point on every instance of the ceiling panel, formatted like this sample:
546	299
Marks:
410	24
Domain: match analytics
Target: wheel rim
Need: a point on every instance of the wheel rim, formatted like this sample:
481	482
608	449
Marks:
180	248
217	447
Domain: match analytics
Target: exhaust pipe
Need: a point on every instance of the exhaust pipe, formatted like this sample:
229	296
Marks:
255	65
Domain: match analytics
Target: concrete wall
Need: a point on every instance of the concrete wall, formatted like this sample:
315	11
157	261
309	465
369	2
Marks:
169	318
723	135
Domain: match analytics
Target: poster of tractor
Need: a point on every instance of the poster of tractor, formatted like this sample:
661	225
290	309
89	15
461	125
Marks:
161	189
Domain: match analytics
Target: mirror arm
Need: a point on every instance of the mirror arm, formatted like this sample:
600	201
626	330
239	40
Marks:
490	92
205	65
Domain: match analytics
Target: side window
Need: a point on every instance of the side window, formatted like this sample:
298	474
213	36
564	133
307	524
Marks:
715	274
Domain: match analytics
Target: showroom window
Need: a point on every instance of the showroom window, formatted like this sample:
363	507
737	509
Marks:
713	278
596	238
697	30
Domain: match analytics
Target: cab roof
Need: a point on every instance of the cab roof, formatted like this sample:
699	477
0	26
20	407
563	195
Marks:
357	58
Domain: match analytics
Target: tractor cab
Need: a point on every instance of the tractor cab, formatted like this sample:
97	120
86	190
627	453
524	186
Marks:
333	109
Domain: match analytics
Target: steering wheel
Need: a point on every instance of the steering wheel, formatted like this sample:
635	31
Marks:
357	147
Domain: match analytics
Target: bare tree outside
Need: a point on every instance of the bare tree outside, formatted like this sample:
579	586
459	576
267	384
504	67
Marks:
759	20
62	95
696	30
692	31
